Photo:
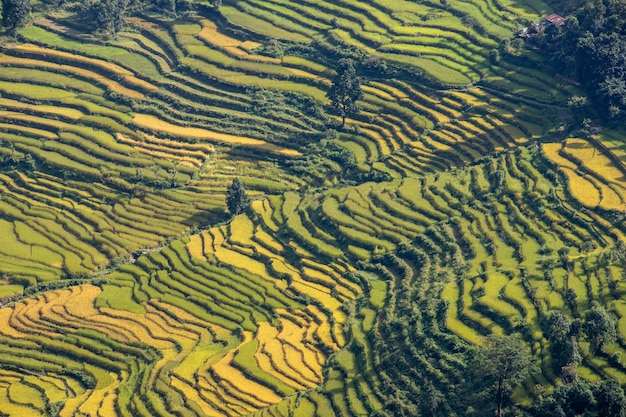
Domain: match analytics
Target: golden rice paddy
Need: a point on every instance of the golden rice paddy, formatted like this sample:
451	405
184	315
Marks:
211	35
270	357
591	189
100	79
116	69
324	331
154	124
241	230
195	247
255	393
169	149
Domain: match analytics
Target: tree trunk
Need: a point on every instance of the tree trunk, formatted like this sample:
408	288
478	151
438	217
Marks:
500	394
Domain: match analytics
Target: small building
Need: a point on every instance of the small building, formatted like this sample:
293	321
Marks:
524	33
555	19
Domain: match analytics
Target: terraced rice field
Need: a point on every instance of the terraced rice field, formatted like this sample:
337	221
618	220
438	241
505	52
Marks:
127	289
594	174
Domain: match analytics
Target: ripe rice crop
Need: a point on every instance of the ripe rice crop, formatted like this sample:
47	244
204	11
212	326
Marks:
153	123
248	390
242	317
582	189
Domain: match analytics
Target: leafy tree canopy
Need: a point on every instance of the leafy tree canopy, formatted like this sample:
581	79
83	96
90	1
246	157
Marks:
15	13
237	200
591	47
106	15
503	363
109	16
582	398
346	90
599	328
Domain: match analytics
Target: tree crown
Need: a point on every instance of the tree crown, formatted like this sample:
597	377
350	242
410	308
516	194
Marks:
237	200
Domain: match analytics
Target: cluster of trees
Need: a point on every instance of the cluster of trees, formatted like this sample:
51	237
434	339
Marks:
108	16
580	397
15	13
105	16
14	160
597	327
591	47
426	370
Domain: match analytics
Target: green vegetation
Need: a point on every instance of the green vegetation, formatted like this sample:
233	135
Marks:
15	13
589	47
187	231
345	91
237	200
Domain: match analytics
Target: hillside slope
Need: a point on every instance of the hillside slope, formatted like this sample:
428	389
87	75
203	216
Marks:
373	260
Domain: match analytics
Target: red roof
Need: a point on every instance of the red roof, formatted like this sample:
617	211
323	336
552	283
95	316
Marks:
556	19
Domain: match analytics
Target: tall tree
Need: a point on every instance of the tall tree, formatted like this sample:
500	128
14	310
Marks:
15	13
346	90
504	362
237	200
